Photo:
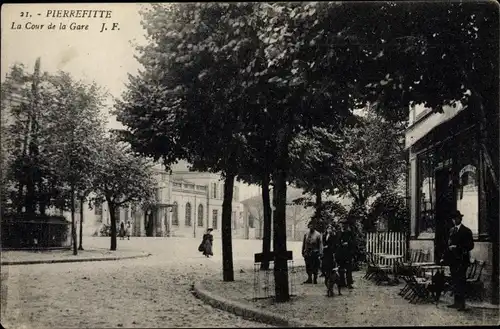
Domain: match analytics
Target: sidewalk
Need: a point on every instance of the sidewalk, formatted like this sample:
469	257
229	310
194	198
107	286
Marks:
66	256
366	305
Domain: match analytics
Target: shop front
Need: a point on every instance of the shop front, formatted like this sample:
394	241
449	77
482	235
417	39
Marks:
448	172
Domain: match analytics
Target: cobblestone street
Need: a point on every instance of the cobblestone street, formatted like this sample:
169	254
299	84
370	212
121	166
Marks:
144	292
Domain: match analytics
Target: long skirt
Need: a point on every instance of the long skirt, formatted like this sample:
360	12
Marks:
207	248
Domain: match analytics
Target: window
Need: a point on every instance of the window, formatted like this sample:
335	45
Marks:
233	218
158	195
215	215
200	215
467	178
188	214
214	190
175	215
236	193
221	191
251	221
426	193
125	209
98	208
468	196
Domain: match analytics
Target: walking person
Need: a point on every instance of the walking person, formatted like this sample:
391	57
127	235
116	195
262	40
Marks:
330	242
460	243
122	231
345	253
206	243
128	229
312	250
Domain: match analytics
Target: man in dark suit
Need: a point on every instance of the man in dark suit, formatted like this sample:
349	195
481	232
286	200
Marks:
344	254
460	243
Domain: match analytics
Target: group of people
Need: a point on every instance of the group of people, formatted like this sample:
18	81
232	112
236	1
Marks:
125	230
335	248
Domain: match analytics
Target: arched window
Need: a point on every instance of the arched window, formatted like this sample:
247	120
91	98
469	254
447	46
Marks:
175	215
188	214
200	215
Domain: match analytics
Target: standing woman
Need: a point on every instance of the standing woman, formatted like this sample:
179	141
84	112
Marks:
207	243
128	229
344	254
122	231
330	242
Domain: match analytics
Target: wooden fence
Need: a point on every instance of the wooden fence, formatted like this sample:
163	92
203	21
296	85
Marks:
393	243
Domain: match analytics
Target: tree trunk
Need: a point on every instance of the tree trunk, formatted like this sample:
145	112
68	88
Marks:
73	226
80	247
266	238
227	246
281	264
273	213
319	202
112	216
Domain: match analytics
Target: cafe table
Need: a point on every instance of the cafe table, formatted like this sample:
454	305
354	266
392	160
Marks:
394	258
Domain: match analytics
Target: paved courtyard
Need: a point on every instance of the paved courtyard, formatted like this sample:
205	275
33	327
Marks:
144	292
155	292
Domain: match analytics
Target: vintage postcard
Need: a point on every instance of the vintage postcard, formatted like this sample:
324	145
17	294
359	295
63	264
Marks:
249	164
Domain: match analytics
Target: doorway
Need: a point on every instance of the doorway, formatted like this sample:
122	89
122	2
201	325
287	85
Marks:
445	204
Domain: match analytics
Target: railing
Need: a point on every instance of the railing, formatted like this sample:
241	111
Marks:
393	243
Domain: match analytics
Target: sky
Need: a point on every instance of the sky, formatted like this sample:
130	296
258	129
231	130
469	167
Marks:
91	55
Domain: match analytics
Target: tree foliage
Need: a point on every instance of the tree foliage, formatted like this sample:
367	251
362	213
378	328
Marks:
121	178
372	158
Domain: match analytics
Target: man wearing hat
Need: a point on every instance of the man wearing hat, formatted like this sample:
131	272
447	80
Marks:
312	250
460	243
345	253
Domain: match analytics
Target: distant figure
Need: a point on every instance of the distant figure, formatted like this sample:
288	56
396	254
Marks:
460	243
206	243
122	231
128	229
312	249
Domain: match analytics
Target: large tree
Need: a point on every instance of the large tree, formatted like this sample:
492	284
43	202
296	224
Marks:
373	158
437	57
121	178
315	162
71	133
195	106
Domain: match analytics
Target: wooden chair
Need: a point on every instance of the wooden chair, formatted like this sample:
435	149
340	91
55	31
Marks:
474	286
405	268
375	271
371	268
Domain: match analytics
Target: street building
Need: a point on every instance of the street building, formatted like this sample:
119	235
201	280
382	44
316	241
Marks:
187	203
450	169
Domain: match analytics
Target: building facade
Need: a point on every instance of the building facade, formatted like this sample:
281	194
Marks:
297	217
449	171
187	203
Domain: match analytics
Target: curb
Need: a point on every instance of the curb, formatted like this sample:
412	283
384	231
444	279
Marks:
245	310
53	261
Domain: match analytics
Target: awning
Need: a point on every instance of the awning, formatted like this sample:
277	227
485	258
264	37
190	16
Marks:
429	123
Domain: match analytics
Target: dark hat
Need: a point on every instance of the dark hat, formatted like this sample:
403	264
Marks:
210	229
456	214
